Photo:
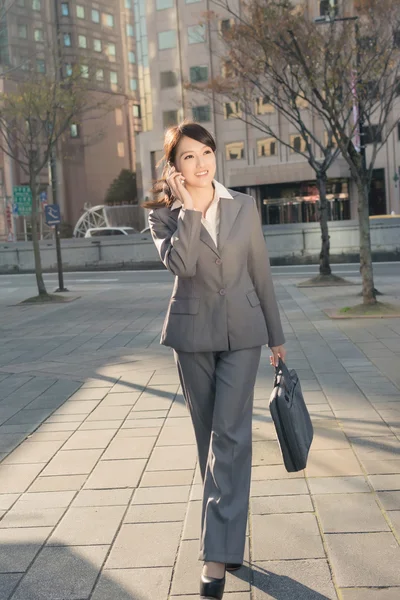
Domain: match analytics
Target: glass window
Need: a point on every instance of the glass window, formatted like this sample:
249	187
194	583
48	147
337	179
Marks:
167	39
328	8
67	39
22	31
234	150
113	77
82	41
133	84
40	65
85	71
192	1
130	31
36	4
74	130
225	25
201	114
168	79
21	2
198	74
121	149
136	111
80	11
267	147
131	57
97	45
119	116
108	20
100	74
128	3
170	117
65	9
297	144
68	69
231	110
95	16
111	49
196	34
263	106
38	35
161	4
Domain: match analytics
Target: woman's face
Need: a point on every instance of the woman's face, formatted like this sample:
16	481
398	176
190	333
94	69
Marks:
196	162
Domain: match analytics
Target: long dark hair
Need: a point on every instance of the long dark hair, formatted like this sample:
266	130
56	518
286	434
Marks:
162	192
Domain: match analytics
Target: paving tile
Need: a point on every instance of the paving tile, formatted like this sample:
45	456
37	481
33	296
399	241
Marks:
126	552
139	423
370	594
88	526
332	463
281	504
8	582
279	487
390	500
166	478
385	448
260	473
176	436
109	413
155	513
286	536
266	453
17	478
358	513
129	448
116	474
55	427
117	497
329	438
46	500
33	452
58	483
126	584
381	467
394	516
97	393
124	399
172	458
76	408
18	547
170	494
7	500
62	572
364	559
297	579
86	440
73	462
24	515
51	436
385	482
137	432
338	485
192	525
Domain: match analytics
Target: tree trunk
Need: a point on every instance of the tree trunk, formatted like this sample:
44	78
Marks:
368	289
324	266
36	250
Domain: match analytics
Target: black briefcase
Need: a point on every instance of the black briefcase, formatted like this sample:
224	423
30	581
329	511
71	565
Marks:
291	418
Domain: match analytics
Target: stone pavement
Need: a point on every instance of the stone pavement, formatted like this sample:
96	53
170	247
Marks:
99	491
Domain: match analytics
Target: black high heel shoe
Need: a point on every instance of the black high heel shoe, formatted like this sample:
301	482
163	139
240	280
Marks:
211	588
233	566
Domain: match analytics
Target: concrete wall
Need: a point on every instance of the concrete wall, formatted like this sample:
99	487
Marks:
287	244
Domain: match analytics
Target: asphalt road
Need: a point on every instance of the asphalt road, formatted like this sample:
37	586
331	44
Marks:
385	269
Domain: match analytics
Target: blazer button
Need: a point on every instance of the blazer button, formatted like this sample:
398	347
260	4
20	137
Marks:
222	292
218	261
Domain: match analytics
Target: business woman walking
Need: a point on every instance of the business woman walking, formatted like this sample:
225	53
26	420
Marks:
222	311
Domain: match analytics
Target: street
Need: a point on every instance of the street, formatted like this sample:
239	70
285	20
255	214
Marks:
99	487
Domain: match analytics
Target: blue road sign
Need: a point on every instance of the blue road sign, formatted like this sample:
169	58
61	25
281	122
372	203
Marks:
43	196
52	214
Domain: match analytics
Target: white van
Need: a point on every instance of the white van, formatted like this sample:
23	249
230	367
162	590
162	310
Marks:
106	231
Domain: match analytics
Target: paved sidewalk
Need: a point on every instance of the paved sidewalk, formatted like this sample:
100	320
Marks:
99	491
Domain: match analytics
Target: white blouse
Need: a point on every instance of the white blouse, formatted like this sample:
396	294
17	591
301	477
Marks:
212	219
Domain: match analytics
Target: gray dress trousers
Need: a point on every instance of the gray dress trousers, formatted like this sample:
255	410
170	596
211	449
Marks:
218	390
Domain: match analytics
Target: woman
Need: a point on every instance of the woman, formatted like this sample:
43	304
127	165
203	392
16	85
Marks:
222	310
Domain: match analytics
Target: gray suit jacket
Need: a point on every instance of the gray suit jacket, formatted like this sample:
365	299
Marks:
223	298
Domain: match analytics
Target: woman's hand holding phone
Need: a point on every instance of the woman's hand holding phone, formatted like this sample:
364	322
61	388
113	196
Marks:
176	182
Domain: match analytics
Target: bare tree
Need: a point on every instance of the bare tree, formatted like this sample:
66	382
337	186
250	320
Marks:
346	71
35	115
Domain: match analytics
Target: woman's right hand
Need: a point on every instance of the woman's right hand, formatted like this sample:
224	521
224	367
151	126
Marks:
176	182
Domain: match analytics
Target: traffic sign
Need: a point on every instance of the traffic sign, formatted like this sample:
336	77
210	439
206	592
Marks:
23	200
43	196
52	214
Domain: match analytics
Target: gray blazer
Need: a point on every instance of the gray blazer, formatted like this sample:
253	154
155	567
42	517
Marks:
223	298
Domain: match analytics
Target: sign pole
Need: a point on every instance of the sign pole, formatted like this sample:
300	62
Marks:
61	287
53	176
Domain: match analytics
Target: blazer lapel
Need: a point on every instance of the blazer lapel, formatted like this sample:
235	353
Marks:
207	239
230	208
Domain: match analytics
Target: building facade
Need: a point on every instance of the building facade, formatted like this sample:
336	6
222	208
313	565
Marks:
100	34
174	47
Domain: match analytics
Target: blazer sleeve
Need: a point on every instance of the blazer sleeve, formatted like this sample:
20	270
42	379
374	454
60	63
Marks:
178	250
260	273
